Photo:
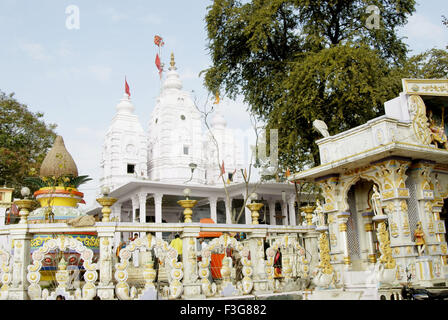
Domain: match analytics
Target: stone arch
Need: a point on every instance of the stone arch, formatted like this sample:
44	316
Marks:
163	251
356	193
352	182
90	276
220	244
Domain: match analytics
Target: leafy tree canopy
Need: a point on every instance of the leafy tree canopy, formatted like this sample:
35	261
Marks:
24	141
299	60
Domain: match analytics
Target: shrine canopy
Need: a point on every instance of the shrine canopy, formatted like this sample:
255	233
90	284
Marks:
208	234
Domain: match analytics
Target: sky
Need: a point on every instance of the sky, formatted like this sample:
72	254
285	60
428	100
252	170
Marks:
75	76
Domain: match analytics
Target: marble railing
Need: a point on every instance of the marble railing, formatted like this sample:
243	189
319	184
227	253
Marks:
37	263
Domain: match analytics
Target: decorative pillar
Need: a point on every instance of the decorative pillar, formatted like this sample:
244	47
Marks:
429	266
284	213
192	287
135	204
142	204
388	275
440	228
272	218
331	191
116	213
106	287
247	213
21	240
158	211
228	204
342	222
292	210
213	212
368	228
256	247
311	246
327	270
391	176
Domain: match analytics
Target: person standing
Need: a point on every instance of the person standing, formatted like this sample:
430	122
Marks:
176	243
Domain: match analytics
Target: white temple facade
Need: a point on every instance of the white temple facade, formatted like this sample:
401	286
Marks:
125	147
148	171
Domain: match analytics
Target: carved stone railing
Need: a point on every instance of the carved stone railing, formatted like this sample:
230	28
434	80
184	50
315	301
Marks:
20	271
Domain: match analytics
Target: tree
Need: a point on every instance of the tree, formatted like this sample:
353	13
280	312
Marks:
296	61
432	64
24	142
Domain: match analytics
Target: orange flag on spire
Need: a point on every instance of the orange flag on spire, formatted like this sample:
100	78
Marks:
216	98
126	87
288	173
222	169
159	65
158	41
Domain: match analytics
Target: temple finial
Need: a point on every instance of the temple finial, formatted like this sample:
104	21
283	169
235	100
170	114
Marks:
172	63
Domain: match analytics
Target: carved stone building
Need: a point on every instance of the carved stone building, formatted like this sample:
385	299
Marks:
403	153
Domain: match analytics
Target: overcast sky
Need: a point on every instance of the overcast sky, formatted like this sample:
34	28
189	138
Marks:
76	76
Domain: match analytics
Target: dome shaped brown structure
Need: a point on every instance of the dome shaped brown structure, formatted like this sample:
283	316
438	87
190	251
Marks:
58	162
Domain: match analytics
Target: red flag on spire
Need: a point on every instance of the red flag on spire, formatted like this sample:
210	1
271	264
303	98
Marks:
158	41
159	65
126	87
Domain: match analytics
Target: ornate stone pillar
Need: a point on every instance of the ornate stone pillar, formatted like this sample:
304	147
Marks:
284	213
427	205
390	174
292	210
142	204
272	218
247	213
213	212
158	211
342	223
135	204
106	287
440	228
310	239
256	247
116	213
21	243
228	204
192	287
331	190
368	228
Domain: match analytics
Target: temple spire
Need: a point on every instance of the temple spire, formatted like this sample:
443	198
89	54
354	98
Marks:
172	63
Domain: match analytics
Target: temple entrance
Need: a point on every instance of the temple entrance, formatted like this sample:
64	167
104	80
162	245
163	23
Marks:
359	205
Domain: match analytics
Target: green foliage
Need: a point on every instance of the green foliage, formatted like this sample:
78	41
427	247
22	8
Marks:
67	181
297	61
432	64
24	142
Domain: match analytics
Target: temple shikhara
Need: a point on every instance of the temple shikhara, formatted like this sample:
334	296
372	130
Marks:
175	220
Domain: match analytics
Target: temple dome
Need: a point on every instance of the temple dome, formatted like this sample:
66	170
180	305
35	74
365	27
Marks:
125	105
58	161
218	121
172	77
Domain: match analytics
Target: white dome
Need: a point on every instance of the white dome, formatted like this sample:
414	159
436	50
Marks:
125	106
172	77
218	121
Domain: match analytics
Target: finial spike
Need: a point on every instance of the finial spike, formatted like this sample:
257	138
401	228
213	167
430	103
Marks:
172	63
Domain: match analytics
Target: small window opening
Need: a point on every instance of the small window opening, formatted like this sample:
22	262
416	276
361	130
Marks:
131	168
